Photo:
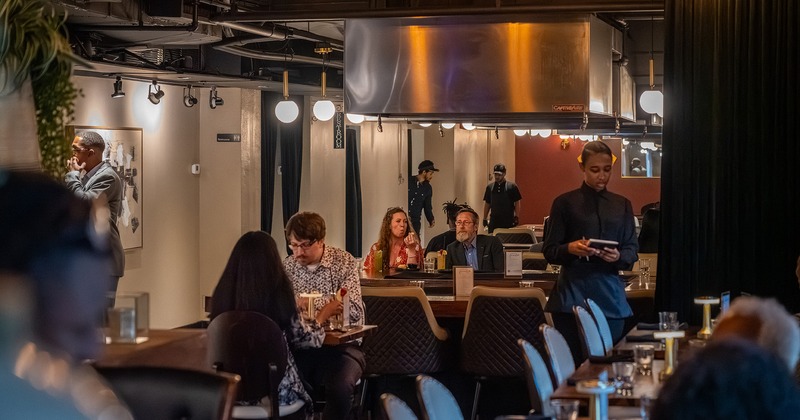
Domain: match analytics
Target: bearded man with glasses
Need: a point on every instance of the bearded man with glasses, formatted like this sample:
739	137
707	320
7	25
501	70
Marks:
320	268
482	252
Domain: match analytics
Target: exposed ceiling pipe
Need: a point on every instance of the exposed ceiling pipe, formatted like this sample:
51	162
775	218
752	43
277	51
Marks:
281	33
260	55
561	7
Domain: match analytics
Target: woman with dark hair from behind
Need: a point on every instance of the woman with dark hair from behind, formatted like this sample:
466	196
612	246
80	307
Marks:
254	280
729	379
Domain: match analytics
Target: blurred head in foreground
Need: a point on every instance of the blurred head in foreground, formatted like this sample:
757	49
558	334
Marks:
51	243
764	322
729	379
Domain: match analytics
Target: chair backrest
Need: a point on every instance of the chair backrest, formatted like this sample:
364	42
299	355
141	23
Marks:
252	346
436	400
160	393
515	235
590	336
396	409
408	339
496	318
602	325
537	375
561	363
533	261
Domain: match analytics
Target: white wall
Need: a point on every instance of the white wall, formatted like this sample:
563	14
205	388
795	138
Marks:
166	265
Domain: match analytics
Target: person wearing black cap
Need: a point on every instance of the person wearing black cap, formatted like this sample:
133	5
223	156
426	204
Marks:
501	201
420	194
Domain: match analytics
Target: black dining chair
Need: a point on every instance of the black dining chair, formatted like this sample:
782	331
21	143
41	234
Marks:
252	346
162	393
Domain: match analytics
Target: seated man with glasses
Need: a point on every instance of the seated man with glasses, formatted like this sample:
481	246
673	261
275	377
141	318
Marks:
320	268
482	252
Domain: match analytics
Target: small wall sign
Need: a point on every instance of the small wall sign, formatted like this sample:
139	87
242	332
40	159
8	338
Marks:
229	138
338	130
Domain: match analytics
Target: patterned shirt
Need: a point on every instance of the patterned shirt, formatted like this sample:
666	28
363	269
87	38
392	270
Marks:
301	335
336	269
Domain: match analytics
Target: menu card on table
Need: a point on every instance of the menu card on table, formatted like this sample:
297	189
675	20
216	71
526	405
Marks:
463	280
513	263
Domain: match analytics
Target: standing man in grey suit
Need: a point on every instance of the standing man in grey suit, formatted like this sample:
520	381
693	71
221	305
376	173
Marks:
484	253
99	182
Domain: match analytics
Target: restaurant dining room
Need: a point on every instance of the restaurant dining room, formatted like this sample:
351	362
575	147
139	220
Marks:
317	209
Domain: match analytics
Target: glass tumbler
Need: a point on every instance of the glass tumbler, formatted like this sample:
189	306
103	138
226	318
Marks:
565	409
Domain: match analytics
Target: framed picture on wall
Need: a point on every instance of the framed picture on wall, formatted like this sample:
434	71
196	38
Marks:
641	159
124	153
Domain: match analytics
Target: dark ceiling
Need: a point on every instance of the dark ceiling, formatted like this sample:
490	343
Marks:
248	44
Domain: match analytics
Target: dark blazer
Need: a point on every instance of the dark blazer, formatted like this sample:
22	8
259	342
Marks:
105	182
490	254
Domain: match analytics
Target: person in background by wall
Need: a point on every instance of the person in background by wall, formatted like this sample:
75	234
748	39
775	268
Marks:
501	201
636	168
254	280
482	252
590	211
100	181
317	267
440	241
397	242
420	194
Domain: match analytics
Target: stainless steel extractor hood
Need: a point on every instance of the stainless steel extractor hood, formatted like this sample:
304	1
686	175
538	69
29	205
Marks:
548	71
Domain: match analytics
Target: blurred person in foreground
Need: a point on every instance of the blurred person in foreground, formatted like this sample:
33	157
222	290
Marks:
590	212
440	241
729	379
99	181
397	242
315	266
481	252
254	280
764	322
59	251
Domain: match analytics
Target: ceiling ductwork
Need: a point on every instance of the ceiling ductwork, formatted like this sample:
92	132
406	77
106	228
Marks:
489	70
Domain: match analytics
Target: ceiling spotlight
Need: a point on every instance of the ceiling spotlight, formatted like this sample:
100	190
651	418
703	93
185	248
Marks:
155	95
448	125
468	126
425	124
355	118
188	99
213	100
520	133
118	93
286	110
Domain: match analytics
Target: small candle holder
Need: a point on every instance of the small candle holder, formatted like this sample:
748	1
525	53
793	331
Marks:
706	301
670	352
311	312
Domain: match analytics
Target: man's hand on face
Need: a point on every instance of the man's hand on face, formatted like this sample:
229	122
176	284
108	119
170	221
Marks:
73	165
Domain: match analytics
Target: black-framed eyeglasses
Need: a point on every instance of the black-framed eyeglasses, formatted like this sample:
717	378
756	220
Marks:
304	246
464	222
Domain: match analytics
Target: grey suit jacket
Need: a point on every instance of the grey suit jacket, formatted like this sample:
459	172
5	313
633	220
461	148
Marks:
106	183
490	254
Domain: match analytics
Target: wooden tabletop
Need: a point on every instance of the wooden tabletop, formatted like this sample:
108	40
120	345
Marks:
648	385
334	338
181	348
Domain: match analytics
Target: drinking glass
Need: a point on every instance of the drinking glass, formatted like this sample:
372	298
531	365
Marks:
623	373
668	321
429	265
525	284
644	271
643	355
417	283
645	405
565	409
555	268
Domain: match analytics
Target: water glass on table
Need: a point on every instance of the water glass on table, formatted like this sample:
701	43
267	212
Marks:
644	271
668	321
429	265
525	284
565	409
417	283
643	355
623	373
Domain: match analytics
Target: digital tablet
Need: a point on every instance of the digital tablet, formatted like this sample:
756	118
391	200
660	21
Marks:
602	243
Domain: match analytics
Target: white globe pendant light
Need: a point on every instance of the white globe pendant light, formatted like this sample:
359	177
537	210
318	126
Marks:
324	108
286	110
355	118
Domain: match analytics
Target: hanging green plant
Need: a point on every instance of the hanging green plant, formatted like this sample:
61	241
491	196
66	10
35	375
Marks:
33	43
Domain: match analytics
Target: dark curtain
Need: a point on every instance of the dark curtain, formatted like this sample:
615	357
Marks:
352	194
730	171
269	146
291	140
